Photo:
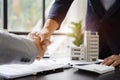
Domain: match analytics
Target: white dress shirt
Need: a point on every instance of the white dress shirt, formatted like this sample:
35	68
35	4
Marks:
107	3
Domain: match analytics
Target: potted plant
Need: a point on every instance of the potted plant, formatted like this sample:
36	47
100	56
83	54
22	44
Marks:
76	33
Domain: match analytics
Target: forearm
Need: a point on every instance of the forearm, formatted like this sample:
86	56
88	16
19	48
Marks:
59	10
56	15
49	27
15	49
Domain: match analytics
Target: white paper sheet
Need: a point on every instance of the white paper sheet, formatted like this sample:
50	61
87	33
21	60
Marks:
19	70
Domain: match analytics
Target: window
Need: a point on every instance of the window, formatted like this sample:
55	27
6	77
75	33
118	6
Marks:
94	59
77	54
75	58
1	14
75	49
24	14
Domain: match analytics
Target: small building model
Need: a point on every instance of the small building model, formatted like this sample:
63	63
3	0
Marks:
89	50
78	53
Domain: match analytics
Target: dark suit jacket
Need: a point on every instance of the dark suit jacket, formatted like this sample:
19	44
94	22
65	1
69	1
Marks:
107	23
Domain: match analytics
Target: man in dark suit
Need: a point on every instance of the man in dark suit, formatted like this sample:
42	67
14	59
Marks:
102	16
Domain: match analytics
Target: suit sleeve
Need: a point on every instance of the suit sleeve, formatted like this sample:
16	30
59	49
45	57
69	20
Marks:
59	10
16	49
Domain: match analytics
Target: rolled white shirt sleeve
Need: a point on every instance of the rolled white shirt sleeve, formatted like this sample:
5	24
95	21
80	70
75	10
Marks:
16	49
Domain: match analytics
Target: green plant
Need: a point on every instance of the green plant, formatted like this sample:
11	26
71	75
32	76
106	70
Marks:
77	33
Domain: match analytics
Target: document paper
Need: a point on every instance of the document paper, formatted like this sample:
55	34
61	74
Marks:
19	70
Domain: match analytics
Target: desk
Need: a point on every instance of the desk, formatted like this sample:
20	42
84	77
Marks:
73	74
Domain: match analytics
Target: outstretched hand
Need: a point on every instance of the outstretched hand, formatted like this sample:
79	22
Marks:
42	37
40	44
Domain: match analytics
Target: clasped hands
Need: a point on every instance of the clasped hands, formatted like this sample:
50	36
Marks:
40	43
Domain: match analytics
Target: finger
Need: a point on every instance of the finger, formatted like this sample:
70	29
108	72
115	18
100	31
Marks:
38	58
37	39
113	57
46	42
36	34
105	60
116	63
31	35
44	36
109	62
42	52
44	47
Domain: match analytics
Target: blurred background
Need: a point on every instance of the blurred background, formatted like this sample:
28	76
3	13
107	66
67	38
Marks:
21	16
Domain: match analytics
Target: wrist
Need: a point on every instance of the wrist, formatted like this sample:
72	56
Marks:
45	34
51	25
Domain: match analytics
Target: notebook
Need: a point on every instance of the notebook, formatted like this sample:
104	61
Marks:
20	70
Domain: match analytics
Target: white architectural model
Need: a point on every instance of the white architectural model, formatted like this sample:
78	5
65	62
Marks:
89	50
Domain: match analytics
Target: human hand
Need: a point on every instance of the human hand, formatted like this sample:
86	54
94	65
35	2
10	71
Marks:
44	37
49	27
113	60
37	41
